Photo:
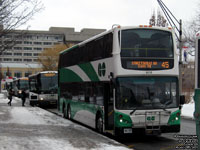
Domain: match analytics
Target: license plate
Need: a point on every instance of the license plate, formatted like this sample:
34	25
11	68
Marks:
128	130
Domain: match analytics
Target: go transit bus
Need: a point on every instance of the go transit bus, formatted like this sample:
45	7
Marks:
122	81
43	88
19	85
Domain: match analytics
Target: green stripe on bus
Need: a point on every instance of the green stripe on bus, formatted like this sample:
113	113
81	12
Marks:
67	75
89	70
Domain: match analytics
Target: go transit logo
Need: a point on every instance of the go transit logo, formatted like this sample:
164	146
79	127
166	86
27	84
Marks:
102	69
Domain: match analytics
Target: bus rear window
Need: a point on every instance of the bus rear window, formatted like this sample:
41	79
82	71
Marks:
148	43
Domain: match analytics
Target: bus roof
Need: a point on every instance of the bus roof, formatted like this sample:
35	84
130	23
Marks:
43	72
119	28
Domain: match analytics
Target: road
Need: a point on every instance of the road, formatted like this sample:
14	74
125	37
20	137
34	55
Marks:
169	141
33	128
38	128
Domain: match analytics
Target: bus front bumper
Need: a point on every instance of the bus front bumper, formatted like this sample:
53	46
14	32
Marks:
43	102
149	130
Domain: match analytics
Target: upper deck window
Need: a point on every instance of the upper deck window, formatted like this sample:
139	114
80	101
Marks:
148	43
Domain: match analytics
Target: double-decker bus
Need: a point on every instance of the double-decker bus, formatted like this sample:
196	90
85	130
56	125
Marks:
19	85
123	81
43	88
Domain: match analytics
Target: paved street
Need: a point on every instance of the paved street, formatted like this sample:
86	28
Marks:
32	128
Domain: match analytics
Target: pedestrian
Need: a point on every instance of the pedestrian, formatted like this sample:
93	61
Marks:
10	95
23	97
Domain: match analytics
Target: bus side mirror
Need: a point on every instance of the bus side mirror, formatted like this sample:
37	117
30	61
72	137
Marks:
182	99
112	80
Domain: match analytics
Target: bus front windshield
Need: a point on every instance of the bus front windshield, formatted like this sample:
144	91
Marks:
147	43
49	83
147	93
23	84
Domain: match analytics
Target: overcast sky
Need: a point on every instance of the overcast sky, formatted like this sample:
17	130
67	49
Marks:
104	13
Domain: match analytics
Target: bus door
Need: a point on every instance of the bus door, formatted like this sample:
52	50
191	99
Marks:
109	107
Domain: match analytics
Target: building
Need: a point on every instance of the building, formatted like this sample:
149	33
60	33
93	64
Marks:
24	46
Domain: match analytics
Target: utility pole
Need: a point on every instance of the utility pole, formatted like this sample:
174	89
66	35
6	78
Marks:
173	22
180	58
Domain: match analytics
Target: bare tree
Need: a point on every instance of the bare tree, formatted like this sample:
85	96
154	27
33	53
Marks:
50	56
158	19
13	14
190	30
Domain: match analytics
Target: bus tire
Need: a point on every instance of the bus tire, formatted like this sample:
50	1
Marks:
31	104
99	124
69	113
64	112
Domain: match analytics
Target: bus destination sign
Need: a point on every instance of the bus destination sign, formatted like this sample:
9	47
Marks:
49	74
149	64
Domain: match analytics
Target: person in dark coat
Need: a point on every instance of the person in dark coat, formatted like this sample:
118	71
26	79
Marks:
23	97
10	95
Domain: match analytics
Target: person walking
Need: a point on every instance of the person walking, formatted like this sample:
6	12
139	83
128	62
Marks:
23	97
10	95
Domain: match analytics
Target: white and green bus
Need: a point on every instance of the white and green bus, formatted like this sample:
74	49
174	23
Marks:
43	88
122	81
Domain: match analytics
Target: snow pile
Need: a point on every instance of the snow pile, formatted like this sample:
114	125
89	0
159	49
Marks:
188	110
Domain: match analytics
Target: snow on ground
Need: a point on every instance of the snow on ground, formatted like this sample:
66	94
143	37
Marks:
25	128
188	110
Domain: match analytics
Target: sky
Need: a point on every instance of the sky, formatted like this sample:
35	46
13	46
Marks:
102	14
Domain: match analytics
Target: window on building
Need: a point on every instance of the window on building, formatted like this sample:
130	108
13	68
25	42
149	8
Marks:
28	60
28	42
18	74
38	48
18	42
5	74
27	54
7	59
28	37
8	36
27	48
47	43
26	74
17	54
35	54
7	54
38	43
17	48
17	59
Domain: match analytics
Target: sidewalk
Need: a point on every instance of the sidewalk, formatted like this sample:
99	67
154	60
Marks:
32	128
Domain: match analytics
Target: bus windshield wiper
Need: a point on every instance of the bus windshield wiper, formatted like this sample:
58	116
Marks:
133	111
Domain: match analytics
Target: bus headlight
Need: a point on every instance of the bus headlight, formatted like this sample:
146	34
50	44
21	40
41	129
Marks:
41	98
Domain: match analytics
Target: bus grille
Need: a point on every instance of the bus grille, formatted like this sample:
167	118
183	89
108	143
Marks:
33	97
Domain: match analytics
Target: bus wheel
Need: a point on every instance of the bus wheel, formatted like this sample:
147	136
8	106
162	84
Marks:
69	113
31	103
99	124
64	112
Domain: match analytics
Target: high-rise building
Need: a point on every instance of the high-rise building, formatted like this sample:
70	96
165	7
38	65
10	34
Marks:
20	59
